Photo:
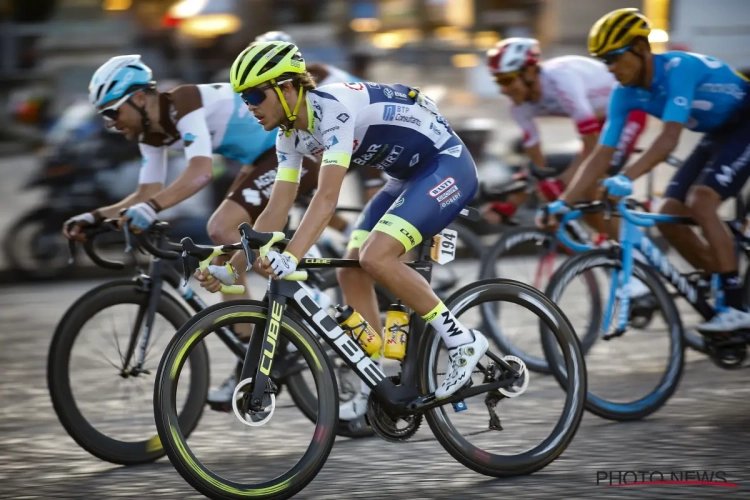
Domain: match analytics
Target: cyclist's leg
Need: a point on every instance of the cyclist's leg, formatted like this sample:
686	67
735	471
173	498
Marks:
356	285
689	244
419	214
723	179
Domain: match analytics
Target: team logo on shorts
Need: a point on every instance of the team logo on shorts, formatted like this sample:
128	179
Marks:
443	186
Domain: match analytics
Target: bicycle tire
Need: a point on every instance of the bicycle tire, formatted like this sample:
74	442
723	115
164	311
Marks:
509	240
58	380
555	444
641	408
196	474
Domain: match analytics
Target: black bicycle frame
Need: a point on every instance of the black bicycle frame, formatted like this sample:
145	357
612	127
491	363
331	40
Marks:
399	400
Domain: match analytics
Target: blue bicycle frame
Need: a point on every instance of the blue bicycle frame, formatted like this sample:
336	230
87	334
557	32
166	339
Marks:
632	238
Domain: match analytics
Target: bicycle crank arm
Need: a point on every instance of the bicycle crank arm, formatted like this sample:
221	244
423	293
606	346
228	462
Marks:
429	402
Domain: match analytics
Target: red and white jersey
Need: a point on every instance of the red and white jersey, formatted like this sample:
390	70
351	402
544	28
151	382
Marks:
574	86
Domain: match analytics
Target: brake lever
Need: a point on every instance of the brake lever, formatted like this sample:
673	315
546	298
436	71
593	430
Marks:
249	254
186	267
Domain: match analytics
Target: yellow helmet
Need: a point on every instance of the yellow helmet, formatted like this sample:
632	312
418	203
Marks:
617	30
265	61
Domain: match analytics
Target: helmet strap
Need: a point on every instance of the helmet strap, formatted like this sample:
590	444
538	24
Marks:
290	116
145	120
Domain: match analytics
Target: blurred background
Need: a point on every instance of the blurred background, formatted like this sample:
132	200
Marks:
56	158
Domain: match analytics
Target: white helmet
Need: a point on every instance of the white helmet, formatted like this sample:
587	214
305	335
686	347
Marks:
117	77
274	36
512	54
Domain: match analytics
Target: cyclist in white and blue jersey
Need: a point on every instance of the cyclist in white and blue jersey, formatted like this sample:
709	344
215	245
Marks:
684	90
371	178
391	127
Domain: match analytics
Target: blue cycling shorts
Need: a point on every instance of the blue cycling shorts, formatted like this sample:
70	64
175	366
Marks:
419	207
721	161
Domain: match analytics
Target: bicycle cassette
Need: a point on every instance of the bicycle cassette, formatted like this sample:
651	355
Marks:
394	431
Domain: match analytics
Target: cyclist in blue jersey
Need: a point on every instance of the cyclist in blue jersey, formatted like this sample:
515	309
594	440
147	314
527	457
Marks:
684	90
391	127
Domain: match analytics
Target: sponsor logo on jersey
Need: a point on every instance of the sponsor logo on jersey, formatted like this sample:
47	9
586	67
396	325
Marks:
451	200
397	203
393	112
355	85
388	92
188	139
440	188
331	141
343	117
446	194
414	160
329	130
391	158
400	95
372	154
373	85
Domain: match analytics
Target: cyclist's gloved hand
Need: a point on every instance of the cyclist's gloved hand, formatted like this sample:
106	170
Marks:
226	274
543	219
282	264
72	227
620	185
141	216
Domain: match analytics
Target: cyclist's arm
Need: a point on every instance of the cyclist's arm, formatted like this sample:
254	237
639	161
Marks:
150	181
570	90
321	209
589	144
194	133
524	118
284	192
338	138
681	82
596	165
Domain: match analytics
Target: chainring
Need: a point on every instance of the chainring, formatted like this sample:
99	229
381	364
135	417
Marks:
394	431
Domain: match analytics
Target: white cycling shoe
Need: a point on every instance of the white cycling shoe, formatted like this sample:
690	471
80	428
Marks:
354	408
462	361
729	320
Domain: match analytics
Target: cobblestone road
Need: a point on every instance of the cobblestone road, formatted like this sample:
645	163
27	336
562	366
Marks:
703	427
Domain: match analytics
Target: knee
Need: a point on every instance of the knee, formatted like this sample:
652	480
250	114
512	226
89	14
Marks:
372	258
347	275
703	198
220	234
702	201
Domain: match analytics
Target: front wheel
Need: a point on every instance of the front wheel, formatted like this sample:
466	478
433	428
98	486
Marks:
232	460
86	369
497	451
636	372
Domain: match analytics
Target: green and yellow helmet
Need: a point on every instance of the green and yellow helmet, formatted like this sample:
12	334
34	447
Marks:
617	30
263	62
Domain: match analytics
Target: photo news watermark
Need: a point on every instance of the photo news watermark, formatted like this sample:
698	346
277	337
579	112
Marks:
663	477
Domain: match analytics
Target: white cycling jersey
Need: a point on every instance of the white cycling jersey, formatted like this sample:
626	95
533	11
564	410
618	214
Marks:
574	86
368	124
202	120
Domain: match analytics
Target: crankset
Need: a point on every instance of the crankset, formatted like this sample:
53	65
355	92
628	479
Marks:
394	431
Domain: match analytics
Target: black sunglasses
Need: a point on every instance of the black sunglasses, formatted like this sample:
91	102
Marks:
255	96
